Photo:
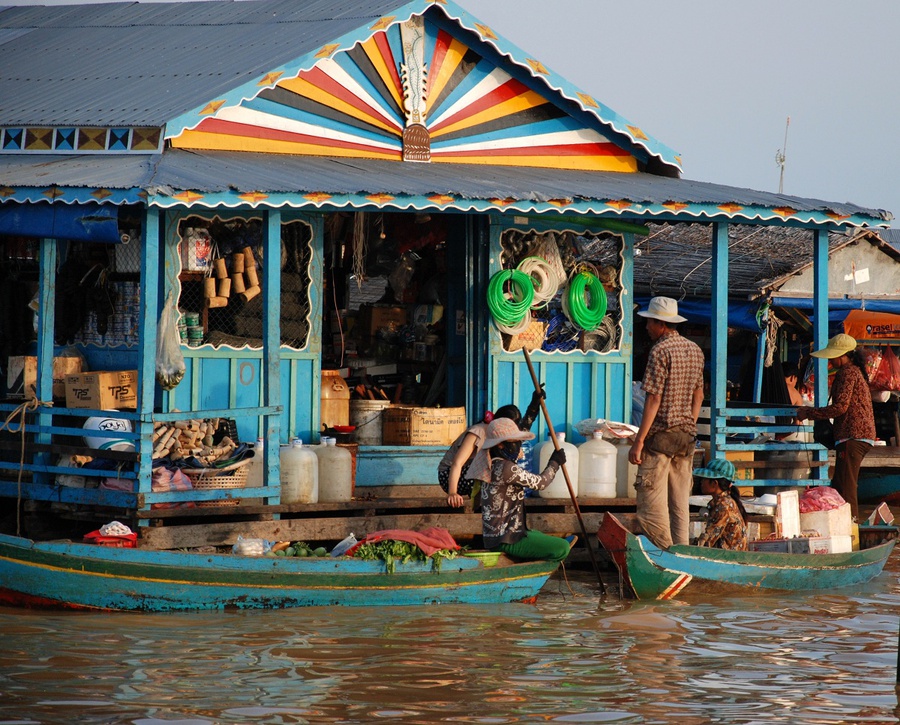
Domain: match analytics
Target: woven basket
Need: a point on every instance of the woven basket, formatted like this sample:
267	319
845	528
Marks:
233	476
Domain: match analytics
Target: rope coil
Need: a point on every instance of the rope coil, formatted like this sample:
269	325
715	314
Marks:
543	277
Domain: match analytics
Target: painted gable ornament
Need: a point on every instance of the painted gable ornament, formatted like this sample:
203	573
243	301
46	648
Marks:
416	138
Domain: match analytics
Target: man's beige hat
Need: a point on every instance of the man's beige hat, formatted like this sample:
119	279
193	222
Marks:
838	345
663	308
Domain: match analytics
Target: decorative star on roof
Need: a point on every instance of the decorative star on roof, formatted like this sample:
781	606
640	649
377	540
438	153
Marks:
730	208
588	100
54	192
317	196
784	211
212	107
837	217
253	197
485	31
560	202
675	205
537	66
441	199
502	202
270	78
327	50
101	193
188	197
383	23
637	133
6	191
618	203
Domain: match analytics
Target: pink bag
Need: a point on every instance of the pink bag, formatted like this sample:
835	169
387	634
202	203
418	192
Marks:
820	498
887	376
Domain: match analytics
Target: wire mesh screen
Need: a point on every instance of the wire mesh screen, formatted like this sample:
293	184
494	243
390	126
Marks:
222	282
561	255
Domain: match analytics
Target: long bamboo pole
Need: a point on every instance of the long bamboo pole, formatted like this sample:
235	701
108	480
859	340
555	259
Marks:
584	535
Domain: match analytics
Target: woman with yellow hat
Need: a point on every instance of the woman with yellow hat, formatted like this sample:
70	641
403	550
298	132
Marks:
851	409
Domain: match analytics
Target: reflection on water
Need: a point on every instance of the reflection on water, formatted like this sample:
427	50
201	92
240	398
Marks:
572	658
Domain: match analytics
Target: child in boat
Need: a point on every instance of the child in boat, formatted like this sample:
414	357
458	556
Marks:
726	527
465	466
503	498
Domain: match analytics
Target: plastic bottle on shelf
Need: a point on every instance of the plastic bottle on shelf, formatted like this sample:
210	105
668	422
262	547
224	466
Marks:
626	472
257	465
558	487
299	474
597	468
335	471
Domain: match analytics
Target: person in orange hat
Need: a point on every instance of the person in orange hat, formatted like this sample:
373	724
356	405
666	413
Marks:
503	498
851	409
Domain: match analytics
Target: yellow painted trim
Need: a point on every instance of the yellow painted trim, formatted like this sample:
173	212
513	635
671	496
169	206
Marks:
452	58
522	102
620	164
225	142
371	49
304	88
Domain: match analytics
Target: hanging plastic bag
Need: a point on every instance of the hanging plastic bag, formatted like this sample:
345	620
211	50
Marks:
169	358
887	377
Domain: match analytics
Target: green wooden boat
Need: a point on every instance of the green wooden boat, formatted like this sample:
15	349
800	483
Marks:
654	573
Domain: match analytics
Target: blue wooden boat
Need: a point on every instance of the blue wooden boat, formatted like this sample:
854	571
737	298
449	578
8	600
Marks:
654	573
86	576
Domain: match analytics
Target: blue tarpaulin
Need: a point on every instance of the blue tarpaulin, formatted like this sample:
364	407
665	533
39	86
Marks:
740	314
78	222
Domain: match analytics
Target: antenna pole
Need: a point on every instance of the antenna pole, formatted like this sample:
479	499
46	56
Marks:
781	156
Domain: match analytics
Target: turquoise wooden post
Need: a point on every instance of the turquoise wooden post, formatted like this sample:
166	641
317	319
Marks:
718	363
628	319
46	329
271	363
820	328
149	321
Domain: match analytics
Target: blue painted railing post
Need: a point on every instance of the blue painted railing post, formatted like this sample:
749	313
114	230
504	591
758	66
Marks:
718	364
46	330
149	322
271	363
820	328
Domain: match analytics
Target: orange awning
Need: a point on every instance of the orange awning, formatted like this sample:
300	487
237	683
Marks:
865	325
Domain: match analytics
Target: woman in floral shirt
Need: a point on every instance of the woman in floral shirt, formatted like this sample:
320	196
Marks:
851	408
503	499
726	526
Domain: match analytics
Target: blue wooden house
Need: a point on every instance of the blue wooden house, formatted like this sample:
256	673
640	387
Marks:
332	140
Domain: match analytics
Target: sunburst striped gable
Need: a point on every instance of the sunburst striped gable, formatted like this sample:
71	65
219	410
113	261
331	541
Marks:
351	104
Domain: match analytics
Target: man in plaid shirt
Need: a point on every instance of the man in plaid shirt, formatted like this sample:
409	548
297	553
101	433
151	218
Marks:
664	445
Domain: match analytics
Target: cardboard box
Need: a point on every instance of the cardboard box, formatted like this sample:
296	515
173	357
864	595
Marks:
835	522
409	426
21	375
102	390
881	515
771	546
373	318
760	529
821	545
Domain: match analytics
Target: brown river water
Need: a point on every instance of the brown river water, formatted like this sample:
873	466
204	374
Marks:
574	657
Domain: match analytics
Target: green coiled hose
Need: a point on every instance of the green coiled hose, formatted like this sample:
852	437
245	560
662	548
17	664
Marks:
586	314
509	308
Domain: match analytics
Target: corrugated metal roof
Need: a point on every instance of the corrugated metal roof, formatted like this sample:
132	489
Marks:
155	64
141	64
225	175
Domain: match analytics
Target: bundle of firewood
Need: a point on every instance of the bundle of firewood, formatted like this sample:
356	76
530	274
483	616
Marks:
194	437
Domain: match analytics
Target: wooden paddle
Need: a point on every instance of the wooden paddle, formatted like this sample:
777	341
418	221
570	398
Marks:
587	542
